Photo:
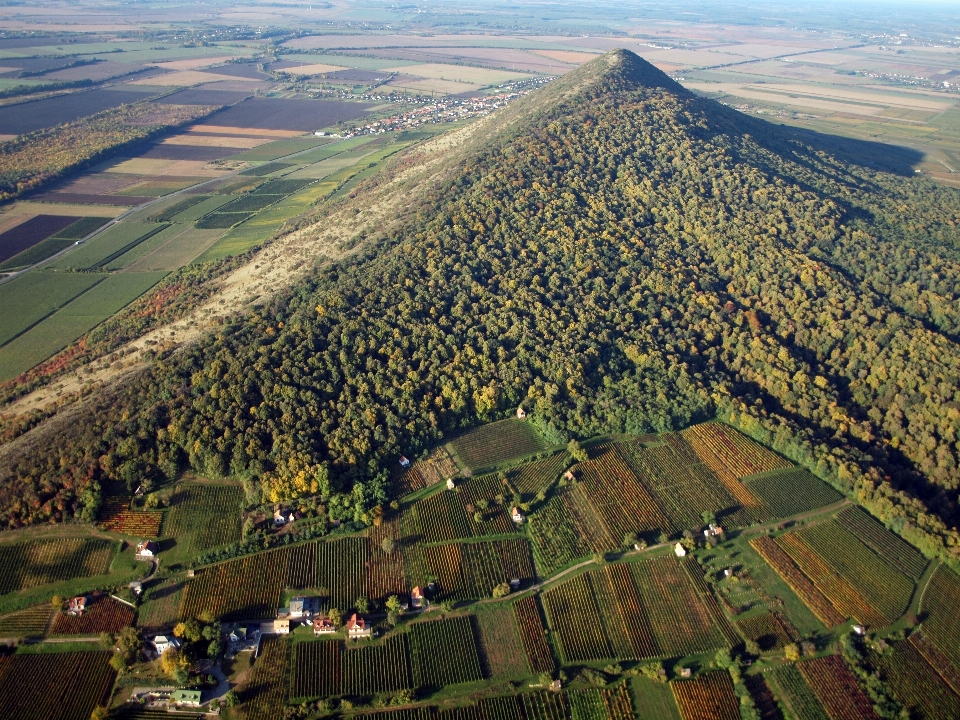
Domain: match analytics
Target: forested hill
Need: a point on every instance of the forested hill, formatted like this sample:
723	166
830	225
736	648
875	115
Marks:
615	254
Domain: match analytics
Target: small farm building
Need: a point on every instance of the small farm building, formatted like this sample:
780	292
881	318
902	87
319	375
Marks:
190	698
323	626
514	583
450	484
404	461
357	627
685	672
302	606
859	629
521	414
281	627
680	550
147	548
517	516
416	597
163	643
569	476
76	605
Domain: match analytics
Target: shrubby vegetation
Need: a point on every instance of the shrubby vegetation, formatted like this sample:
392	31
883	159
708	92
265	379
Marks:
623	256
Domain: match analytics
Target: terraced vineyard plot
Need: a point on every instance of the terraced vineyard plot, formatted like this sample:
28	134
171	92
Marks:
620	500
792	690
501	650
770	631
441	517
531	478
545	706
316	669
471	571
941	605
496	443
708	697
783	565
532	635
249	203
384	667
790	492
836	688
385	574
205	516
841	593
917	685
281	187
682	623
31	622
420	713
601	704
340	571
896	552
116	516
625	599
885	589
103	614
473	494
574	617
558	531
38	562
444	653
264	695
65	686
220	221
721	447
243	589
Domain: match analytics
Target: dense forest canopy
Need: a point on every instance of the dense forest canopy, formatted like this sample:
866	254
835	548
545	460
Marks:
617	255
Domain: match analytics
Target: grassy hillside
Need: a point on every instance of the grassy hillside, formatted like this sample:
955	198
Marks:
613	253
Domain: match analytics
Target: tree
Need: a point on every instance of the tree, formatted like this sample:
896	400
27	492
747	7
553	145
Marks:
57	603
708	517
478	517
248	527
118	663
791	652
501	590
105	641
335	617
362	605
577	452
393	604
629	540
100	713
172	662
393	617
752	647
188	630
388	545
214	649
448	605
231	699
129	644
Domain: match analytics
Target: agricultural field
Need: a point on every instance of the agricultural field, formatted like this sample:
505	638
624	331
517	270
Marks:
244	589
470	571
597	704
791	492
708	697
530	626
54	686
32	622
103	614
771	631
916	684
792	691
116	516
940	608
724	449
340	571
836	688
204	516
444	652
160	604
496	443
653	701
566	529
898	553
331	667
451	515
265	694
501	650
32	242
530	478
39	562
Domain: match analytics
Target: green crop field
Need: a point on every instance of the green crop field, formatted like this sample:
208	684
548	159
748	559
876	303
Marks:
897	552
204	516
106	247
793	491
39	562
274	150
174	209
70	322
195	211
498	442
31	297
654	701
501	650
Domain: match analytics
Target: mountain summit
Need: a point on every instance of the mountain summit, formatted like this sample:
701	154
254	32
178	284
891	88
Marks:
615	254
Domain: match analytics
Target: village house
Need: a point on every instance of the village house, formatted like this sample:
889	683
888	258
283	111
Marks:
282	516
147	549
517	516
162	643
357	628
521	414
323	626
680	550
416	598
713	531
189	698
281	626
76	605
404	461
303	607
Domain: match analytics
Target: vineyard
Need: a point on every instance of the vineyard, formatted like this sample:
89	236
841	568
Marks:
501	650
708	697
205	516
793	491
566	529
38	562
544	706
160	604
916	685
623	614
470	571
575	618
424	473
450	515
264	695
780	561
496	443
898	553
504	708
841	593
936	659
883	587
941	605
654	701
66	686
532	635
605	704
384	667
792	690
771	631
836	688
31	622
723	448
444	653
103	614
531	478
116	516
385	573
341	571
243	589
